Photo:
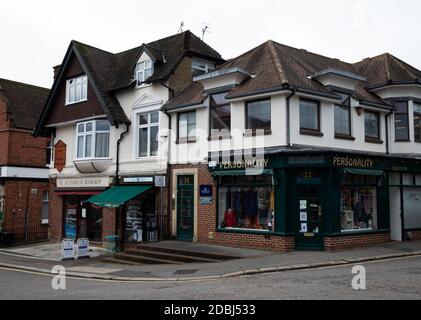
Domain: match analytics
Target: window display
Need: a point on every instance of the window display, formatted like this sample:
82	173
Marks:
141	222
358	208
246	203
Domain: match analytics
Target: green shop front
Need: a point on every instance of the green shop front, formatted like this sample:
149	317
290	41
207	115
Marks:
323	200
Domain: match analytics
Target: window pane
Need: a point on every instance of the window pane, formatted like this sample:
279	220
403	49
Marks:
84	91
342	123
218	99
143	119
221	118
371	125
80	147
78	92
89	127
259	115
154	117
182	125
45	205
80	128
394	179
148	73
358	208
143	142
88	146
412	204
103	126
72	93
102	145
154	141
417	121
309	114
408	179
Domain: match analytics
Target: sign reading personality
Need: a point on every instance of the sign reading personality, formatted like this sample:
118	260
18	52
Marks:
352	162
244	164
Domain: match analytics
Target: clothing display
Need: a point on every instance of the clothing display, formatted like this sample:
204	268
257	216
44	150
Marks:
230	219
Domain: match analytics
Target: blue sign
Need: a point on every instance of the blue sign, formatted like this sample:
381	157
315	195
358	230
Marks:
206	191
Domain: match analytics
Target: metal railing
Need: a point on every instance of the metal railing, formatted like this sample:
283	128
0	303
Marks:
11	236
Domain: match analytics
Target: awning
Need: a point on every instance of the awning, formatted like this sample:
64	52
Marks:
364	172
248	172
117	196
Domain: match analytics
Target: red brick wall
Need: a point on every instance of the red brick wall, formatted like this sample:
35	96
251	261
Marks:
206	215
25	150
16	192
416	235
355	241
55	230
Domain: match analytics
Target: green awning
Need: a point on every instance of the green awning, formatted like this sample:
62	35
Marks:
364	172
117	196
248	172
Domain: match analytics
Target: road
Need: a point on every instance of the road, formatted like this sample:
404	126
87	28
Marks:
391	279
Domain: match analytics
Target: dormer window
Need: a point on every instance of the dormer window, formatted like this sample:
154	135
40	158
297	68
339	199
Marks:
200	67
77	90
143	71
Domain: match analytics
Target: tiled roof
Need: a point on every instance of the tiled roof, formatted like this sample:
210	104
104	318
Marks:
25	102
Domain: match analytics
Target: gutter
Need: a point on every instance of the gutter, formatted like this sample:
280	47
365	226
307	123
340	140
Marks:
387	131
288	99
117	170
169	182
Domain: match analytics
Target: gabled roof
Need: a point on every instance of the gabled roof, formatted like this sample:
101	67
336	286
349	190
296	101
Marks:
386	69
108	72
275	67
24	102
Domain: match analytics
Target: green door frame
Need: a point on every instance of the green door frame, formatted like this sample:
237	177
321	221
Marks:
185	203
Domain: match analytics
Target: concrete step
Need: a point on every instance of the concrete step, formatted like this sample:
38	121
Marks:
120	261
188	258
142	259
189	253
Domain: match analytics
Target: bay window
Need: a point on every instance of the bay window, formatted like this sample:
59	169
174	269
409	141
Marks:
417	121
143	71
76	90
93	139
401	121
148	127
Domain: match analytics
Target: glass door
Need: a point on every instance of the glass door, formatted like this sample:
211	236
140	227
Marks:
185	208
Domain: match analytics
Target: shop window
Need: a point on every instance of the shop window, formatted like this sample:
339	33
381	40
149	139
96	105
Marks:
412	208
418	179
141	218
417	121
258	115
247	206
401	121
394	179
408	179
358	203
220	115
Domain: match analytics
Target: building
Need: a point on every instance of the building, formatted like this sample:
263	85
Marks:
23	160
109	167
284	149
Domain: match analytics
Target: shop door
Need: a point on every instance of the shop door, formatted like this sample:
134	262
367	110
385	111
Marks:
309	218
185	208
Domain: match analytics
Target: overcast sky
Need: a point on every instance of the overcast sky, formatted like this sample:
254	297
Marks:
34	35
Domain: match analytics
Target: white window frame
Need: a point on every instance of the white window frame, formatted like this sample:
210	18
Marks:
149	125
45	201
140	72
208	66
84	134
78	82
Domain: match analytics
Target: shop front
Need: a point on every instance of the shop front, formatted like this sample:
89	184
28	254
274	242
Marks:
319	200
136	204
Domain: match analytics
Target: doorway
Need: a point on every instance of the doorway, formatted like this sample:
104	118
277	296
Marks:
185	208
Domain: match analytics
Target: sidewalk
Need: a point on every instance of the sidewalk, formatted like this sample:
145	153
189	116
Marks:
259	262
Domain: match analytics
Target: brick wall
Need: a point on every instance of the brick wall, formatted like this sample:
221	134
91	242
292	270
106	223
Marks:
55	230
206	215
18	197
25	150
416	235
355	241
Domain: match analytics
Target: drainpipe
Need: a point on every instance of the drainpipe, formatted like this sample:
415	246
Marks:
387	131
117	170
169	182
288	99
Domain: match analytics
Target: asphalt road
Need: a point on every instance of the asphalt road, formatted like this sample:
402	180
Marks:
391	279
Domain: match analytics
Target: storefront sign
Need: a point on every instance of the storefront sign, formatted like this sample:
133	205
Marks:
101	182
306	160
138	180
160	182
60	156
244	164
205	190
67	249
83	248
353	162
206	200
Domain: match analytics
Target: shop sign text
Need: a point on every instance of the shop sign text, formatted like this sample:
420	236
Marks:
353	162
250	164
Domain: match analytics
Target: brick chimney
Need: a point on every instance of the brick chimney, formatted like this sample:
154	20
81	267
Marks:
56	71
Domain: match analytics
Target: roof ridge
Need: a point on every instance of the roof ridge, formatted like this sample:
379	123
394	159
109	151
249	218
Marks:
401	64
276	60
88	45
23	83
388	73
240	56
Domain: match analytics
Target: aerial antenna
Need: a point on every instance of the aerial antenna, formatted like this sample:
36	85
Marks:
206	28
181	27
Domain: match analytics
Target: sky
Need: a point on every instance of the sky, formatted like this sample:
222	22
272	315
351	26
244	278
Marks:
34	35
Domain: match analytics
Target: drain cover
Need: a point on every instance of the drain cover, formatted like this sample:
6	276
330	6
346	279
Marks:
185	271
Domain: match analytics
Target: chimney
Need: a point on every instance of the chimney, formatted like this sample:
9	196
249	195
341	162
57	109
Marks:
56	71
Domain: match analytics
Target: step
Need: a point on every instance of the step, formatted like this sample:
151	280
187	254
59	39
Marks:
142	259
191	253
170	256
122	262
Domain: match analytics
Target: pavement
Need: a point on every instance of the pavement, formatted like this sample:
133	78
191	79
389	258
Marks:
252	262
